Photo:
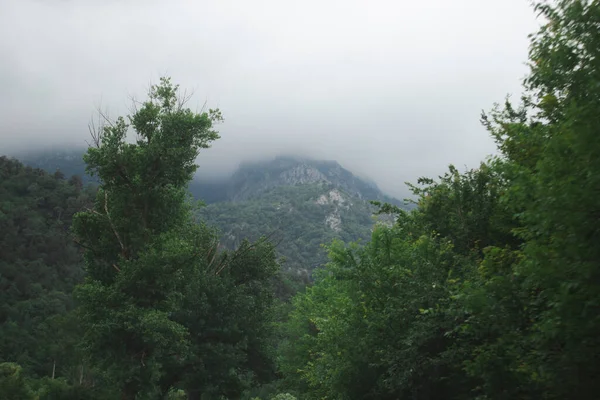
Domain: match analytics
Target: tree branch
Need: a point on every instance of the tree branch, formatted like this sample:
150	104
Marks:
238	254
123	249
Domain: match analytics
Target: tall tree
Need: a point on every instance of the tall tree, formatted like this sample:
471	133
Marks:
491	288
552	143
380	320
140	240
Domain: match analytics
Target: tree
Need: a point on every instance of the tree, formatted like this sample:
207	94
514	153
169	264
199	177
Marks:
490	288
140	240
12	384
380	320
551	143
163	305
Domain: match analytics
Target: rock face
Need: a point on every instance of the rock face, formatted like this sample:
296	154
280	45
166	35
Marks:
252	179
333	197
300	175
336	198
334	221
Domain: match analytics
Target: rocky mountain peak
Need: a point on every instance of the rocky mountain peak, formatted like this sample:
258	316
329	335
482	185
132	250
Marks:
252	179
302	174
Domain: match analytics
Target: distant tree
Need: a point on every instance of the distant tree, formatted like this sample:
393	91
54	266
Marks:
39	266
12	383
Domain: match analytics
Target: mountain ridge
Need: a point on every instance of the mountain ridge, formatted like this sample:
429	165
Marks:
289	169
300	203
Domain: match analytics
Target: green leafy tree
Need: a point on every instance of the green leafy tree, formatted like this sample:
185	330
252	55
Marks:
551	143
164	306
12	384
380	320
140	239
490	288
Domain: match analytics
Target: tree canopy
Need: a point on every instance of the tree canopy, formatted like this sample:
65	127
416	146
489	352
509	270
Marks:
490	288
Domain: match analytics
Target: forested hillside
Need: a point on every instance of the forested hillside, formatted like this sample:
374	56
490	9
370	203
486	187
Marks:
252	179
69	161
489	289
300	204
39	267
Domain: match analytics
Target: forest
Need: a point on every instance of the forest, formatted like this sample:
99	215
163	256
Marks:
489	288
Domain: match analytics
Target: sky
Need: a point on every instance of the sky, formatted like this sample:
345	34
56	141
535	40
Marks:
391	89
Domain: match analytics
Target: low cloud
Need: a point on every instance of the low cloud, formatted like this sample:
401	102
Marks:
392	90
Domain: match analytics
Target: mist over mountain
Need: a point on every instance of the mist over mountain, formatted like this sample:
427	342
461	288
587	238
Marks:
248	180
298	202
254	178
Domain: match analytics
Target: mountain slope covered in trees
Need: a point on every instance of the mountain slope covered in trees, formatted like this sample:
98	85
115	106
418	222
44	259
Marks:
39	267
299	203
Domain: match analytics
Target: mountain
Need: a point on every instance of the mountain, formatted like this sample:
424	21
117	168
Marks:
298	203
68	161
252	179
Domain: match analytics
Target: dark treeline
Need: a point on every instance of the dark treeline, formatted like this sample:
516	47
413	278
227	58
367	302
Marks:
488	289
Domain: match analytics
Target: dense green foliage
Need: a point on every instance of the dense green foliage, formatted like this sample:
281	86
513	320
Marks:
39	264
379	321
490	289
161	306
293	219
39	267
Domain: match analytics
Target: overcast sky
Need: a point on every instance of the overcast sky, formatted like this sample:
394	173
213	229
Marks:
392	89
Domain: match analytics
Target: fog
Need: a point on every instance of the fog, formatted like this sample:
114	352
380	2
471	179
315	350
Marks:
392	90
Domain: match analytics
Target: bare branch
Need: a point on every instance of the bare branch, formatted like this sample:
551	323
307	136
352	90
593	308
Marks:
214	255
203	109
111	223
105	118
96	129
95	133
93	211
134	104
77	242
184	99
